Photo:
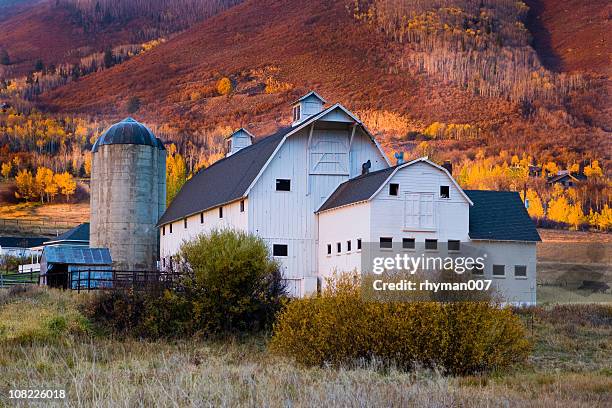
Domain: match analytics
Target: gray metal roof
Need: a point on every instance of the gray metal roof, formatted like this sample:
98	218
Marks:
77	255
224	181
357	189
500	216
78	233
128	131
21	242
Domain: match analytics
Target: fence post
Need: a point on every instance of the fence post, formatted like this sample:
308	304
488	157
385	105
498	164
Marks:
88	280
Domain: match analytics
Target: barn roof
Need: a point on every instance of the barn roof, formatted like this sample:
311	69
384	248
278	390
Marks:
224	181
78	233
357	189
500	216
21	242
77	255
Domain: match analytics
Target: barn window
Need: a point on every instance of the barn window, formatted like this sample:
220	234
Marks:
338	247
328	249
164	230
444	192
408	243
348	246
279	250
283	185
477	271
431	244
454	245
170	227
241	205
164	262
220	212
185	222
520	271
358	244
296	113
393	189
201	218
386	242
499	270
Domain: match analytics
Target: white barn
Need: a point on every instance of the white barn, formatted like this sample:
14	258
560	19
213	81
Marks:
314	191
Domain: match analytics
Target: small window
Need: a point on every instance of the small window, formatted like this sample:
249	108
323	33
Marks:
348	246
408	243
454	245
279	250
520	271
338	247
241	205
328	249
358	243
477	271
499	270
283	185
164	262
185	222
163	230
393	189
431	244
444	192
296	113
220	212
170	228
201	218
386	242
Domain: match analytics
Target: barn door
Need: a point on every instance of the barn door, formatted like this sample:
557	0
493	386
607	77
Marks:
426	211
411	210
419	211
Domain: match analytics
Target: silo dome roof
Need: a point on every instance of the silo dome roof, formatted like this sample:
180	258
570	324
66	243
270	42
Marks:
128	131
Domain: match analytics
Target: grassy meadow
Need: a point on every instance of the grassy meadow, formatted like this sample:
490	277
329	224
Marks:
47	343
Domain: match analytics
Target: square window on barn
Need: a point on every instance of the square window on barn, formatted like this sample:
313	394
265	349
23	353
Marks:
348	246
201	218
520	271
477	271
431	244
444	192
499	270
386	243
454	245
220	212
185	222
359	244
279	250
164	230
242	206
328	249
338	247
283	185
408	243
393	189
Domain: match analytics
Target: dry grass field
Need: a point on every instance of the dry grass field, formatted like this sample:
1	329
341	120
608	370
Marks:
46	344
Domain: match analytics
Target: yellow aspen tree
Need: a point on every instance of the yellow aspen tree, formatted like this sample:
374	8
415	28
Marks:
575	216
25	185
224	86
6	169
535	209
558	209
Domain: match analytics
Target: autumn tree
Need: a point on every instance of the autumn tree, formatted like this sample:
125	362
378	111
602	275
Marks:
6	169
66	184
24	182
45	184
224	86
593	170
176	173
535	207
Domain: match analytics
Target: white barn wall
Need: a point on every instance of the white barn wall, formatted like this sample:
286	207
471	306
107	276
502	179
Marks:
232	218
340	225
512	289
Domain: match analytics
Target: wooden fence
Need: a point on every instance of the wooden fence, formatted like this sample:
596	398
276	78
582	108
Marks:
16	225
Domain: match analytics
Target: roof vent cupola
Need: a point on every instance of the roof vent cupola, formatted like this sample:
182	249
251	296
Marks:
238	140
307	106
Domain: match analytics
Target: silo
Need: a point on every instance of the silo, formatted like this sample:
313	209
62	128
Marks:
128	194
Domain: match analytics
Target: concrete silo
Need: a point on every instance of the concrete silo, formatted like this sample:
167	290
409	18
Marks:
128	194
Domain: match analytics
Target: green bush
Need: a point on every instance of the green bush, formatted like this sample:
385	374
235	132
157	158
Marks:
340	327
232	285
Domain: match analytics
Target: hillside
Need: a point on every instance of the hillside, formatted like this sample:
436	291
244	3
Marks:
321	45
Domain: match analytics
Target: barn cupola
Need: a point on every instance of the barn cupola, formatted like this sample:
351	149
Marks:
307	106
238	140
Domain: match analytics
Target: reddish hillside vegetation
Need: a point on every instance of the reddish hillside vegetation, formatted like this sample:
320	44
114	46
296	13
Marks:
275	50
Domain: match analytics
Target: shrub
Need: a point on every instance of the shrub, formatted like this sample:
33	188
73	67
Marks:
341	327
236	285
233	286
224	86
